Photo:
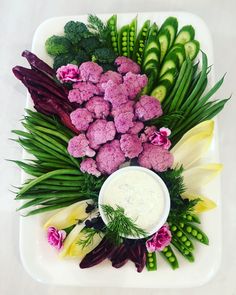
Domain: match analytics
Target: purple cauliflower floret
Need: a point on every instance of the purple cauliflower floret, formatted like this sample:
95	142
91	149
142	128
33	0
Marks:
148	131
115	94
124	121
147	108
110	157
138	126
127	107
82	91
134	83
90	71
100	132
99	107
81	118
78	146
109	75
155	157
126	65
90	166
131	145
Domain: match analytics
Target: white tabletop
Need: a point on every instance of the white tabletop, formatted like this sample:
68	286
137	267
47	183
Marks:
18	21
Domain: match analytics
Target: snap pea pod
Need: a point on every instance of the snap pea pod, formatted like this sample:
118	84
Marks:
151	261
169	255
196	233
140	42
192	218
132	36
112	25
123	41
182	249
179	234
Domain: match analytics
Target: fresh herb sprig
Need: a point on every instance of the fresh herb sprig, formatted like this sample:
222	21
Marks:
119	225
87	240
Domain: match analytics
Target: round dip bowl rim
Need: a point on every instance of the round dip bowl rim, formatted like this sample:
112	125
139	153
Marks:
163	217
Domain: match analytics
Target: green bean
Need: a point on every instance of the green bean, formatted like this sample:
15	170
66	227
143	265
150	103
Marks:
54	165
55	187
169	255
68	177
52	132
45	176
48	208
48	195
151	261
63	182
201	80
28	204
196	233
22	133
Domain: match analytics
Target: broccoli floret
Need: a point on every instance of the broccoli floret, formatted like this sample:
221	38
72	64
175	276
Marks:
104	55
107	67
90	44
63	59
81	56
56	45
75	31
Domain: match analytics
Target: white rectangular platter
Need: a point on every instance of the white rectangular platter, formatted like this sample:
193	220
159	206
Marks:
42	262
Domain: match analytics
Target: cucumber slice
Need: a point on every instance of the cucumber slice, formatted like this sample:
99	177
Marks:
161	91
164	41
169	64
152	42
192	48
170	75
170	24
152	54
179	51
185	35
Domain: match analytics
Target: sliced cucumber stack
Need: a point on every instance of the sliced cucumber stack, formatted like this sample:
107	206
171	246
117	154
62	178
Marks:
192	48
186	34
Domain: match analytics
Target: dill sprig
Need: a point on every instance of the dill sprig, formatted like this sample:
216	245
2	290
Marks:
119	225
87	240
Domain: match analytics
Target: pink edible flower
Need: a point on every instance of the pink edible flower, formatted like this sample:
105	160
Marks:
90	71
78	147
55	237
161	138
147	108
110	157
159	240
90	166
82	91
99	107
124	121
155	157
134	83
109	75
100	132
131	145
81	118
115	94
68	73
126	65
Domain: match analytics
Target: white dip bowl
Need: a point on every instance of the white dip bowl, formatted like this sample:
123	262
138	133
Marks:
143	195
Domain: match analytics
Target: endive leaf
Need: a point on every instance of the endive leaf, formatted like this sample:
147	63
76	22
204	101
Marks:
73	235
206	126
69	215
204	205
191	149
196	177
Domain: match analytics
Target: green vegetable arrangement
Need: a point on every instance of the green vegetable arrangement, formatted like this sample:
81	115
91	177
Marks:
167	55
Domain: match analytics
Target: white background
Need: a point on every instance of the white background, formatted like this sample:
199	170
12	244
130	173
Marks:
18	21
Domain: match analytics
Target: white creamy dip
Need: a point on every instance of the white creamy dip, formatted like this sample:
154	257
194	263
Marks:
140	192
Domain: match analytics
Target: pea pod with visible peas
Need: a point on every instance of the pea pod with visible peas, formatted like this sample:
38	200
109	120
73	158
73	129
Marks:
183	249
169	255
132	36
196	233
151	261
180	235
140	42
192	218
123	41
112	24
